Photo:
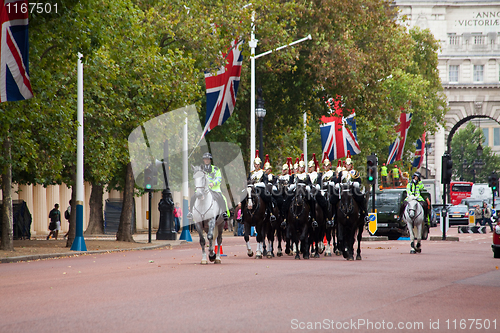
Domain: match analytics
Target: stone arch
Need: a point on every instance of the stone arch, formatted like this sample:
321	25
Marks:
464	111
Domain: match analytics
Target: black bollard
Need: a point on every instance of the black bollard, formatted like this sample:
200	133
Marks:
166	228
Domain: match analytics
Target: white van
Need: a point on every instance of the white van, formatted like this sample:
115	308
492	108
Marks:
481	192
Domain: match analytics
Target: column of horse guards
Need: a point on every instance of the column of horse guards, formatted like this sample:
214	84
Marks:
301	208
297	207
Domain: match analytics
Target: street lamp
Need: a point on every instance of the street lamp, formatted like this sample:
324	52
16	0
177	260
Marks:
260	112
478	163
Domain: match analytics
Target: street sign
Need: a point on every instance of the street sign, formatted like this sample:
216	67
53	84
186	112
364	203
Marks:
372	224
472	218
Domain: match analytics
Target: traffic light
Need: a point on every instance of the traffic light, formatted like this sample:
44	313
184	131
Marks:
150	177
446	169
494	182
371	169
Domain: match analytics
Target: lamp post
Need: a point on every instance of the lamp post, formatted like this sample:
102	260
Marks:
260	112
478	163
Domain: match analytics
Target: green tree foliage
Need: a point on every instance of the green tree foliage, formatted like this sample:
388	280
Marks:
464	146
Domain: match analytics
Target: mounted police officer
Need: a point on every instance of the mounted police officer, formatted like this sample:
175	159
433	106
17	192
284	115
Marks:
415	188
214	177
327	177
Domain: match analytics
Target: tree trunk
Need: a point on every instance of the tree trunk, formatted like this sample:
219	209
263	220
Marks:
7	218
96	218
124	234
72	218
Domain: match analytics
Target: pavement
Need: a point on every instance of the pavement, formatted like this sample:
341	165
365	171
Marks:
38	248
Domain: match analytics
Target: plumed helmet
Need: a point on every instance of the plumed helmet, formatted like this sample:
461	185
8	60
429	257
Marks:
207	155
325	161
267	163
257	159
285	167
310	164
348	160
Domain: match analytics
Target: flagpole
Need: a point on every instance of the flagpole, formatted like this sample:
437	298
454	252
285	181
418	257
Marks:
253	44
79	241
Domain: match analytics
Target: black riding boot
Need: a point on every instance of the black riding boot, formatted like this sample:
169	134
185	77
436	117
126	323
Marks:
312	213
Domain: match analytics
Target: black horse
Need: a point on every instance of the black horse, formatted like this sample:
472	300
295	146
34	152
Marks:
317	232
298	222
253	210
274	229
350	222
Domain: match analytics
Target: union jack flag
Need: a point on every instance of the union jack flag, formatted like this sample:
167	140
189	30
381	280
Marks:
14	72
419	152
336	137
222	89
397	147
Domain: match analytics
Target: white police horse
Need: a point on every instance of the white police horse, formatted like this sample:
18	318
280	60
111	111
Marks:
207	216
413	215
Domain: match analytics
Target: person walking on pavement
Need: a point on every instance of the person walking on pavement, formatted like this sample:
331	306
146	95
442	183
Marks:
55	222
67	216
177	217
487	216
479	215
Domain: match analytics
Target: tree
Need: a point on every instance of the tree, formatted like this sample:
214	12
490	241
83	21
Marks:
464	153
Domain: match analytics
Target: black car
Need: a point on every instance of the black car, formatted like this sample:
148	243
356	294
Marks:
388	203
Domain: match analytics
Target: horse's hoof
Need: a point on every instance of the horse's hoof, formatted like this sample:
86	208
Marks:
258	255
204	262
337	253
328	254
358	257
350	259
279	254
419	250
306	257
297	256
316	255
269	255
217	261
211	257
250	253
412	251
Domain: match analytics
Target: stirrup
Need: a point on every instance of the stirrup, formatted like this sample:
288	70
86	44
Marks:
315	224
283	224
224	216
189	215
272	218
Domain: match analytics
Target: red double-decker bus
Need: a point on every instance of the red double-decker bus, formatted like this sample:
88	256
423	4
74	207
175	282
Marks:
459	191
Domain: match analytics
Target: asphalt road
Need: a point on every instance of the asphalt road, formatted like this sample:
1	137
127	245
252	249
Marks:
449	287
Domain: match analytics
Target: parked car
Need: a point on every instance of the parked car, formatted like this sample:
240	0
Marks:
458	215
496	240
437	208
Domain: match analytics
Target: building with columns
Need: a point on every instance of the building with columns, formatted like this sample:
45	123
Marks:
41	200
469	66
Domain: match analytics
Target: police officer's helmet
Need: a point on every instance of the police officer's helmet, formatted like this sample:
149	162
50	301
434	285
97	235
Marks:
207	155
418	175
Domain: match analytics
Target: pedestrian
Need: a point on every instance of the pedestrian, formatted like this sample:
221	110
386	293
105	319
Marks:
487	216
479	215
177	217
238	219
55	222
67	216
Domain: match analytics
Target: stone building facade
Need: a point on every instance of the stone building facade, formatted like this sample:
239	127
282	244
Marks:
469	65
